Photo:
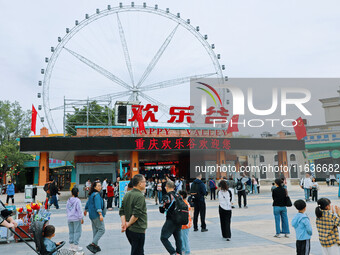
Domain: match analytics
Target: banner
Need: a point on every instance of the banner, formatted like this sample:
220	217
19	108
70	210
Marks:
123	185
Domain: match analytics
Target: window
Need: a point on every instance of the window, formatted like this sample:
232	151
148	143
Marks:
276	158
292	157
261	158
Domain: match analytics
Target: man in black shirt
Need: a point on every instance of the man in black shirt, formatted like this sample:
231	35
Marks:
53	193
170	228
199	191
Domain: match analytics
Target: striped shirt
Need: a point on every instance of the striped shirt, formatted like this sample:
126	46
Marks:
327	227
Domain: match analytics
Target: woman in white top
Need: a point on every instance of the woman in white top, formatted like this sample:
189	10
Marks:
104	187
225	198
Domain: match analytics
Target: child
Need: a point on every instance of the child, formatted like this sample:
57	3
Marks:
75	219
327	225
315	188
185	228
49	233
303	228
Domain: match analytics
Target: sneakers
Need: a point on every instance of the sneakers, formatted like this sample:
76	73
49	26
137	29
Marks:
245	207
195	229
286	235
92	248
228	239
72	247
277	236
204	230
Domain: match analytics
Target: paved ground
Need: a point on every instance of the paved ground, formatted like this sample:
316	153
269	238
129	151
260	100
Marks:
252	229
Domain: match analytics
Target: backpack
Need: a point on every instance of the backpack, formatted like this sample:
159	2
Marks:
47	187
180	214
194	189
239	184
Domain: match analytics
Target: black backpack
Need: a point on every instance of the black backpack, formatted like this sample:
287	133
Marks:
180	214
47	187
194	189
239	184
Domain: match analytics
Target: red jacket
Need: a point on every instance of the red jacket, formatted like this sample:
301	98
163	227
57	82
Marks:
110	191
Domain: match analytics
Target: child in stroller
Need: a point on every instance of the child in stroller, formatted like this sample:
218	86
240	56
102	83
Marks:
43	234
49	233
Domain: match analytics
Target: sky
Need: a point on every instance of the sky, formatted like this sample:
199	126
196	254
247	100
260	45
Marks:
256	38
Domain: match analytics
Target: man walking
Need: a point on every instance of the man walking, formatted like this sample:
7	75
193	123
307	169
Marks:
212	186
241	190
53	193
306	184
198	191
170	227
133	215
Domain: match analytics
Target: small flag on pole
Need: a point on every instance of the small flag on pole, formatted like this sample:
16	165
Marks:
299	128
34	119
233	124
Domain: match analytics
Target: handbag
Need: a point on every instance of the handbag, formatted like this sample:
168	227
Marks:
288	202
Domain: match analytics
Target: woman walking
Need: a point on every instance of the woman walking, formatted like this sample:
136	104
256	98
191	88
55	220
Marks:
110	195
75	219
279	195
327	224
225	198
96	207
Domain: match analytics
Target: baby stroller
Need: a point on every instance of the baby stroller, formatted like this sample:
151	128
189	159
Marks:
37	228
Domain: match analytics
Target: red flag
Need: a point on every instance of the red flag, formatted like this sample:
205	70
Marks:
299	128
34	119
140	120
233	124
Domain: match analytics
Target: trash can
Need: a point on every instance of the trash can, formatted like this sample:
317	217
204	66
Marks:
28	193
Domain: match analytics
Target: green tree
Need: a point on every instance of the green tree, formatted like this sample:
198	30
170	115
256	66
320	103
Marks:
97	116
14	123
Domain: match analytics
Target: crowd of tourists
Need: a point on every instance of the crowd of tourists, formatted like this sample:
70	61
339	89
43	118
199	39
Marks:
183	206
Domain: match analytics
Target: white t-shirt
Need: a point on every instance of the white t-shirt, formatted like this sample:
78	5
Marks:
224	199
306	183
104	185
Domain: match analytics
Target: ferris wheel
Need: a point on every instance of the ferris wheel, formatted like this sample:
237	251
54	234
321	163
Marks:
128	51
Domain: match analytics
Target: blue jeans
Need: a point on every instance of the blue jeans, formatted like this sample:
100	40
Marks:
185	241
307	193
74	228
160	195
54	201
255	189
280	215
150	193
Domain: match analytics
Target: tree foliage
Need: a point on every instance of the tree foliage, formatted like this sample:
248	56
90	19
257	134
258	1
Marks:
96	115
14	123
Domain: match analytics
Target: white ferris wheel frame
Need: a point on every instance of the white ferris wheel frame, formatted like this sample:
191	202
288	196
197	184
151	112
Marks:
136	90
